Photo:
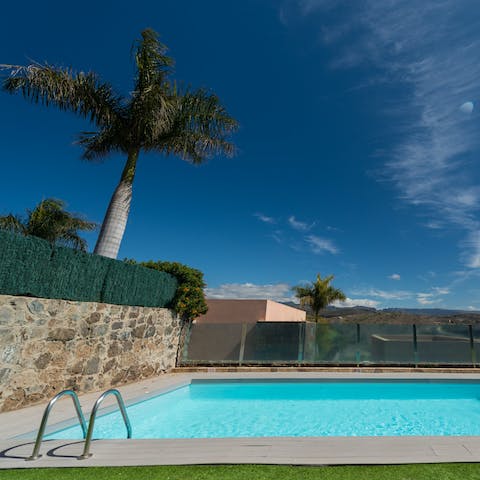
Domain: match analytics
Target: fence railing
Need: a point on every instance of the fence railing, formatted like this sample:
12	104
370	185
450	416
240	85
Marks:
282	343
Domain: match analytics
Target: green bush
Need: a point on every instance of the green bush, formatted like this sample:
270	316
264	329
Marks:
189	301
33	267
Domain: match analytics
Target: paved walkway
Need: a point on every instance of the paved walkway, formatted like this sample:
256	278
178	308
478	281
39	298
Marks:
291	451
17	431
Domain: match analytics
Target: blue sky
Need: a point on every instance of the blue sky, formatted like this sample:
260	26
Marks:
356	156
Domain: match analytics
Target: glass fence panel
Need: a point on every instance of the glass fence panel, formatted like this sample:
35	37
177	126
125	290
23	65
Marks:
273	341
382	344
213	342
444	344
330	343
476	344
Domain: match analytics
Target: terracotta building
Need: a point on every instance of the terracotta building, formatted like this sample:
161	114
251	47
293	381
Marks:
249	311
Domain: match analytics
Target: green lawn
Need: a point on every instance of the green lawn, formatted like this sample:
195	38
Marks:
458	471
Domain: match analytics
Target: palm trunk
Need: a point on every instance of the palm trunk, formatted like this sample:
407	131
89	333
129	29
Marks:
115	221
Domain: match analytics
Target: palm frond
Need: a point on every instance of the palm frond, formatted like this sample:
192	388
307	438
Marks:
97	145
12	223
151	107
151	114
200	128
49	220
81	93
70	238
152	63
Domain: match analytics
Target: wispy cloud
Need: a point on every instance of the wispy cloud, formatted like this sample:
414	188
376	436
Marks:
394	276
433	47
471	256
264	218
386	295
427	299
320	245
357	302
278	236
433	295
434	225
280	292
440	290
298	225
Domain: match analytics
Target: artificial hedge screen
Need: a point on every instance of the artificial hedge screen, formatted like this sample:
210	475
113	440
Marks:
32	266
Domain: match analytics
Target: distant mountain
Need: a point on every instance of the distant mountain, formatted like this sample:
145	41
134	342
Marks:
437	312
332	311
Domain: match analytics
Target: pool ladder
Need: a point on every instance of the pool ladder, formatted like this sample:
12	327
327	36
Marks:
87	433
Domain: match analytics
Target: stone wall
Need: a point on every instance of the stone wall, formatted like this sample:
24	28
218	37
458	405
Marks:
49	345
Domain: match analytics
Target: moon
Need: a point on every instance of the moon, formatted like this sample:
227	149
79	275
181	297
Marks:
466	107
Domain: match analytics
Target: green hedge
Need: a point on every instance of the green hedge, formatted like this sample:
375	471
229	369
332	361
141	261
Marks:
31	266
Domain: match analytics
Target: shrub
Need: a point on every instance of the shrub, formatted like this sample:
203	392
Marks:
189	301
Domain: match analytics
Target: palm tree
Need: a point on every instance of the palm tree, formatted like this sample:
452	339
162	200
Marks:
49	220
157	116
318	294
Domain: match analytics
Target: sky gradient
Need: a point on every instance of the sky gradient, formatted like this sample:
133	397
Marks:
357	154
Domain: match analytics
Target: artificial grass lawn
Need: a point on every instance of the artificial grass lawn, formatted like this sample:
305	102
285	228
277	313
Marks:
439	471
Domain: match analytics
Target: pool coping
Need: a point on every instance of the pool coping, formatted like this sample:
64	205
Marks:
17	431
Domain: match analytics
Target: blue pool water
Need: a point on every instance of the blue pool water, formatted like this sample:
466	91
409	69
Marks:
298	409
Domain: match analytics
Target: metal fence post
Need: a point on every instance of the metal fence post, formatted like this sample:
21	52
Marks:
415	345
301	341
357	353
242	343
472	345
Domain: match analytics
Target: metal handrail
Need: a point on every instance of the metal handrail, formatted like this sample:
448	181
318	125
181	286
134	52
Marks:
88	439
46	413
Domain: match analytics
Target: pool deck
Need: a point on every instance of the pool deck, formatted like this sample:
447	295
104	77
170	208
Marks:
18	430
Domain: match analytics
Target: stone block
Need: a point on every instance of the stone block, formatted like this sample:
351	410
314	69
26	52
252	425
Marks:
43	360
92	366
139	331
35	306
62	334
94	318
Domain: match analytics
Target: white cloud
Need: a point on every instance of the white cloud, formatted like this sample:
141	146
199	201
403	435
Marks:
277	235
433	49
427	299
264	218
321	245
281	292
432	297
434	225
391	295
394	276
357	302
471	255
441	290
298	225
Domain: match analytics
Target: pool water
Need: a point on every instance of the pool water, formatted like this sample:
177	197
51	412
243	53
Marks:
298	409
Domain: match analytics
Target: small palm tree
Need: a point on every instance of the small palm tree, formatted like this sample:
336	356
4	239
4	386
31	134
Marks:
318	294
156	116
49	220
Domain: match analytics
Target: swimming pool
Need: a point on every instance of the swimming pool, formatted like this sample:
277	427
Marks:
216	409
